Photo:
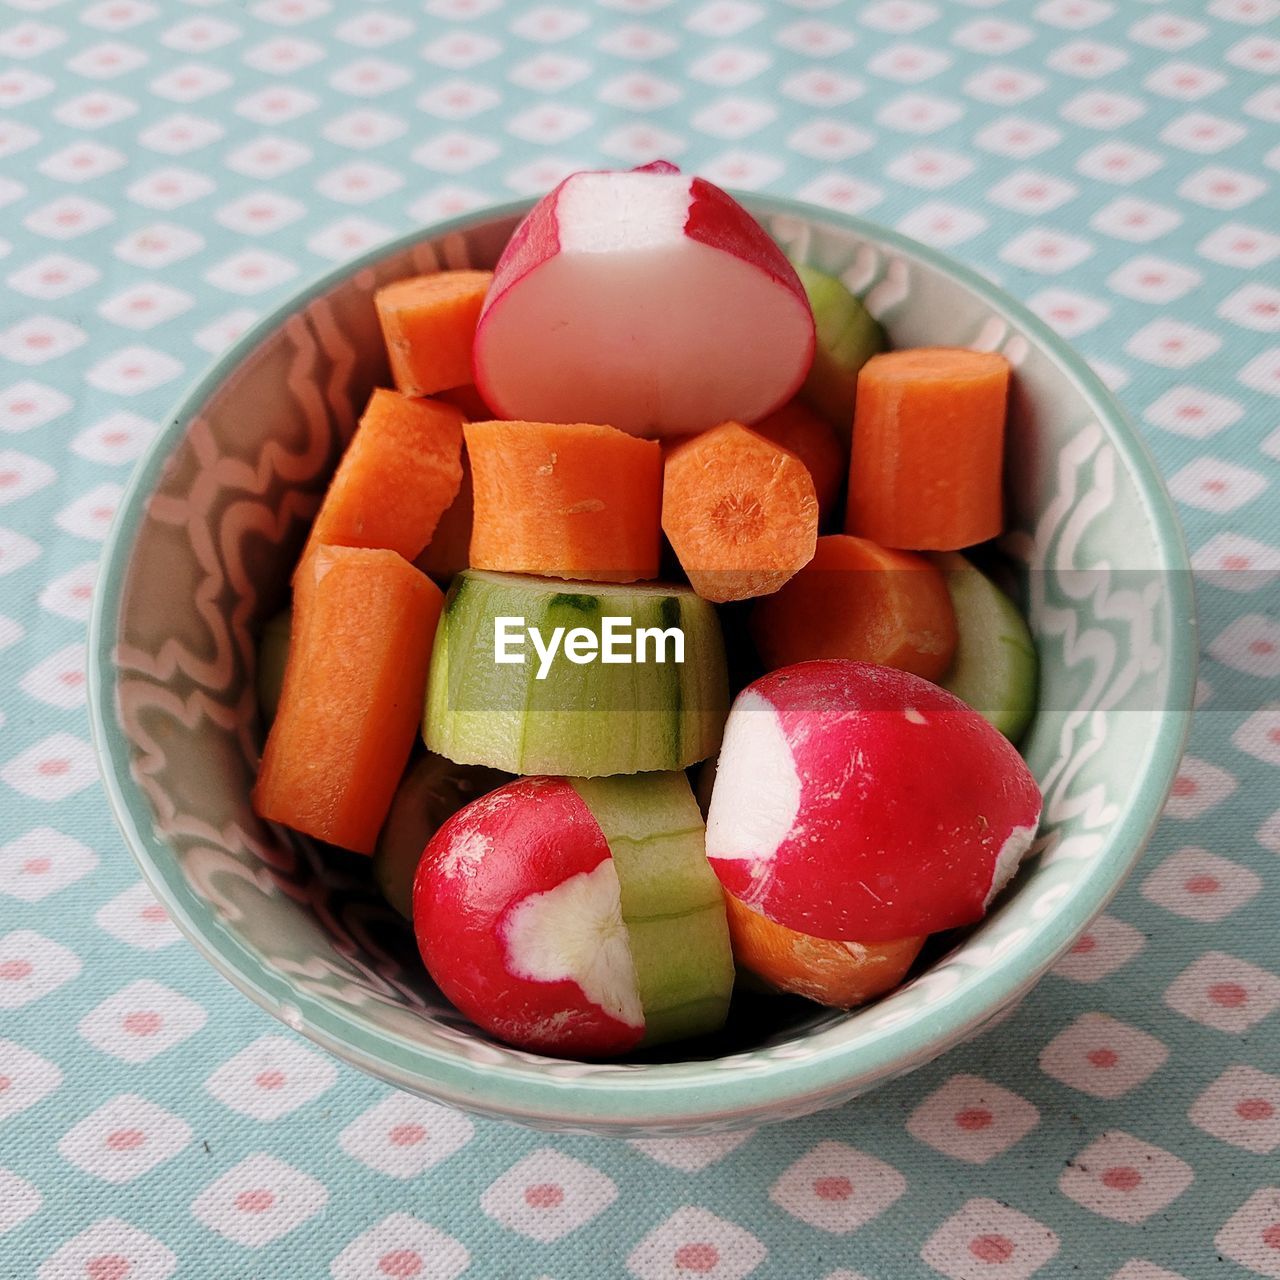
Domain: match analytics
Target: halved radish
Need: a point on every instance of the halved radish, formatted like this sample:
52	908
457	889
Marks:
648	300
577	917
857	801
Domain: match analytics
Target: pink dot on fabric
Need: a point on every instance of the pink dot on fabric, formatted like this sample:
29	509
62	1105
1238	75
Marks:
36	866
1235	562
5	1082
974	1118
400	1263
1255	1109
1085	944
1103	1059
14	970
258	1200
700	1257
125	1139
1262	648
1271	1236
544	1195
1230	995
1184	786
991	1248
406	1135
153	913
1202	884
1121	1177
107	1266
269	1079
143	1022
832	1188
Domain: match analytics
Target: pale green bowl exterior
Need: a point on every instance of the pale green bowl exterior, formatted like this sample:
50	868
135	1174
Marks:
211	514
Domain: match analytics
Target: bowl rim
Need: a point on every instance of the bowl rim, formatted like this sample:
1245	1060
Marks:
739	1089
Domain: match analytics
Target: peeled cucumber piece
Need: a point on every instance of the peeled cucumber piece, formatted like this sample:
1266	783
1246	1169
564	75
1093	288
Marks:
848	337
996	670
587	719
672	903
273	654
432	790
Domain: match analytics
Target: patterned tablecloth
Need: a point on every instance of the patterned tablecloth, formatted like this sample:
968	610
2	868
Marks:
170	171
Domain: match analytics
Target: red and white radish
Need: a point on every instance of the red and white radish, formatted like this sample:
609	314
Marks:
648	300
552	940
857	801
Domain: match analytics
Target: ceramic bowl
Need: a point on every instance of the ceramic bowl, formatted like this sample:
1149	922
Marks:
201	553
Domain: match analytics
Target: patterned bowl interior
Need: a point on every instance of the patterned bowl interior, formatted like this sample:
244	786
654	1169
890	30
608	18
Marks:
202	558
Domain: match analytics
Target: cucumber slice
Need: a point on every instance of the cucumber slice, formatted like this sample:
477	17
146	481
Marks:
672	903
273	654
584	720
996	670
847	338
432	790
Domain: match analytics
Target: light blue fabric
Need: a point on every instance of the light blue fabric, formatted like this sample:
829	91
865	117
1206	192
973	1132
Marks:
170	171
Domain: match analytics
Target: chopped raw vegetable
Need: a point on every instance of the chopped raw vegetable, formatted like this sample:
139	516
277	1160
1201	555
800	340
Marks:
928	448
740	513
813	441
449	550
855	599
429	325
565	500
363	625
400	472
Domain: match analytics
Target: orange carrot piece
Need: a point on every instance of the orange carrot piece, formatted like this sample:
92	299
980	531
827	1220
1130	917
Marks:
839	974
565	500
468	399
429	325
449	550
813	440
400	472
740	513
928	448
363	624
855	599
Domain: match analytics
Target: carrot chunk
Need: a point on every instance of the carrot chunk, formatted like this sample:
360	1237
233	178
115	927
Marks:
928	448
813	440
740	513
839	974
429	325
857	600
400	472
363	624
564	500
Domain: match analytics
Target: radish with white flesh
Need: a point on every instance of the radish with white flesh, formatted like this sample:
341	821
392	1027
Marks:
647	299
577	917
858	801
432	790
555	694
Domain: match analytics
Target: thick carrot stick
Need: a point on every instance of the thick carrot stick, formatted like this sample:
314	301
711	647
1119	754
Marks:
813	440
429	325
855	599
565	500
400	472
363	625
928	448
740	513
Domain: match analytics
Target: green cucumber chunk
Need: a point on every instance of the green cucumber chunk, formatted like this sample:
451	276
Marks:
273	654
432	790
583	719
672	903
848	337
996	670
